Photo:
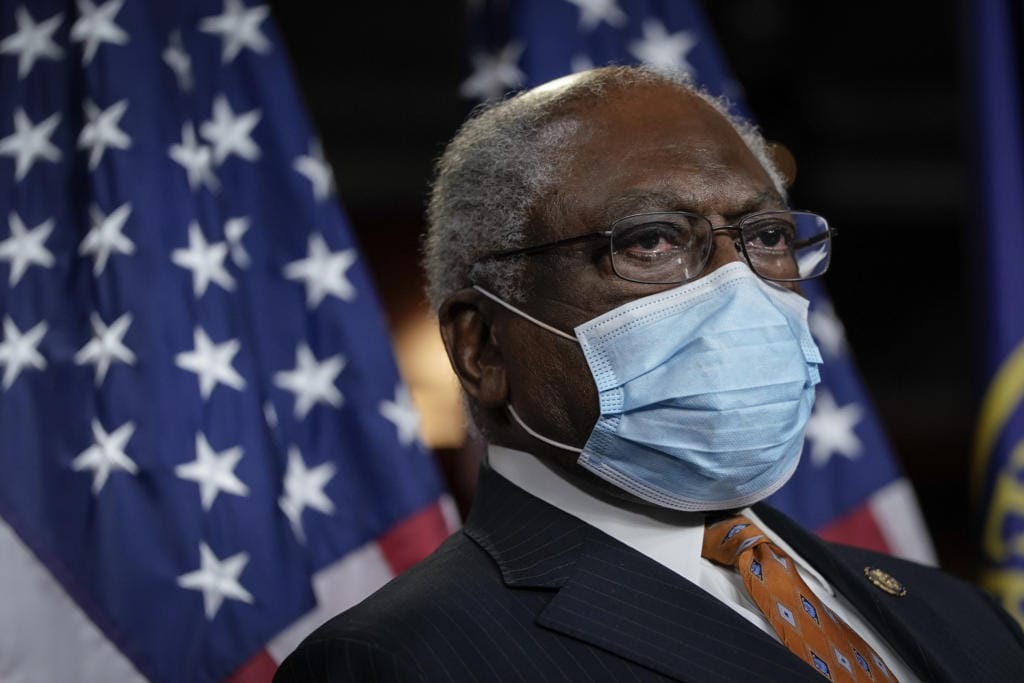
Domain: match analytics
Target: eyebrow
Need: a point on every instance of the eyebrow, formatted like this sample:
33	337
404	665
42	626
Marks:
762	200
644	201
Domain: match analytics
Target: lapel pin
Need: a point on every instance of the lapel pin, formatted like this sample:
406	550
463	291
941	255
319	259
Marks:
885	581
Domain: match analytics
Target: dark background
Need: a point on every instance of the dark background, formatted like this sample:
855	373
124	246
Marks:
868	97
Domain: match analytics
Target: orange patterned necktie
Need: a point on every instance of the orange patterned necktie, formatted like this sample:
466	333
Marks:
810	630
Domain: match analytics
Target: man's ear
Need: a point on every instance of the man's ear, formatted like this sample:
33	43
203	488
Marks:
467	329
784	161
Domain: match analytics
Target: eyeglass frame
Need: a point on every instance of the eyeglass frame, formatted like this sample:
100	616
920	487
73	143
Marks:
828	234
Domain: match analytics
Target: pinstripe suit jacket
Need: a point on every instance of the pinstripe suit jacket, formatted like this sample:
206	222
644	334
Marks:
527	592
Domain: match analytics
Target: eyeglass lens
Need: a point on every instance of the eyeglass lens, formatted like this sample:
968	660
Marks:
674	247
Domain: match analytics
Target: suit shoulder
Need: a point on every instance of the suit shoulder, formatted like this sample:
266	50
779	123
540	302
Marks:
421	590
345	659
402	629
962	601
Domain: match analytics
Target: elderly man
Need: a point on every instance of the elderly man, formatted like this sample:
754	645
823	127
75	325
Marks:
616	274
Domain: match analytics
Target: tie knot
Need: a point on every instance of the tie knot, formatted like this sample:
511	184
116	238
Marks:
725	540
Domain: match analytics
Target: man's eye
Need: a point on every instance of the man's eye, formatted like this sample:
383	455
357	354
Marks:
650	240
776	235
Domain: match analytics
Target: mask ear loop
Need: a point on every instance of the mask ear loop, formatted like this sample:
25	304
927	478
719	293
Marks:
554	330
538	435
524	314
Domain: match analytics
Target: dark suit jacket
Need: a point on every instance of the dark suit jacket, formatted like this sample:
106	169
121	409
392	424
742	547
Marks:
527	592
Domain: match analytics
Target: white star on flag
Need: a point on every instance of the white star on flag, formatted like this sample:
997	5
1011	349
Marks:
661	50
593	12
217	579
96	25
101	131
230	134
211	363
493	74
196	159
402	413
107	236
234	231
106	454
239	28
175	57
25	248
29	142
32	41
827	328
323	272
831	429
106	345
205	260
214	472
304	488
18	351
312	381
315	167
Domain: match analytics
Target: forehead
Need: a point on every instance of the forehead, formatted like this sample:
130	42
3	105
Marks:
652	148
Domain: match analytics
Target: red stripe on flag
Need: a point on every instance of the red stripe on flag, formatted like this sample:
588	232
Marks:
413	538
857	527
259	669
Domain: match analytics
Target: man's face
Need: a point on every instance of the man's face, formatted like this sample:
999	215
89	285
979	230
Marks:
642	149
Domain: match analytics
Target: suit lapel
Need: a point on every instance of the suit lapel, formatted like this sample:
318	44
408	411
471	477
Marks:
616	599
628	604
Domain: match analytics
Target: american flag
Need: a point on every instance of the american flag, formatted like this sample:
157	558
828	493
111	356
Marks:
206	447
848	486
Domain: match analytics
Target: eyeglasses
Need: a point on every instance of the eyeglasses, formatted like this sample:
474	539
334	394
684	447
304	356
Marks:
674	247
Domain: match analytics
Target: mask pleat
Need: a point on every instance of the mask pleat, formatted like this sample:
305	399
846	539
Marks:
713	432
782	374
705	391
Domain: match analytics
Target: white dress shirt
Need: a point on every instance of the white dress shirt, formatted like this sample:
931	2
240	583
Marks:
674	539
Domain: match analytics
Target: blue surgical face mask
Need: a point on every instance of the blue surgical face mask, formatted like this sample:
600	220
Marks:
704	391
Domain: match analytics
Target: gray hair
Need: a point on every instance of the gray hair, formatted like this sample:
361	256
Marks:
493	174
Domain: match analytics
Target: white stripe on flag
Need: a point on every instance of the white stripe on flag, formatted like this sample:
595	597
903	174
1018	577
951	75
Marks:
337	587
46	636
898	516
450	513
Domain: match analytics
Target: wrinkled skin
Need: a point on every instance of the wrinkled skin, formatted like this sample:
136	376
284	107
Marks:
639	149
